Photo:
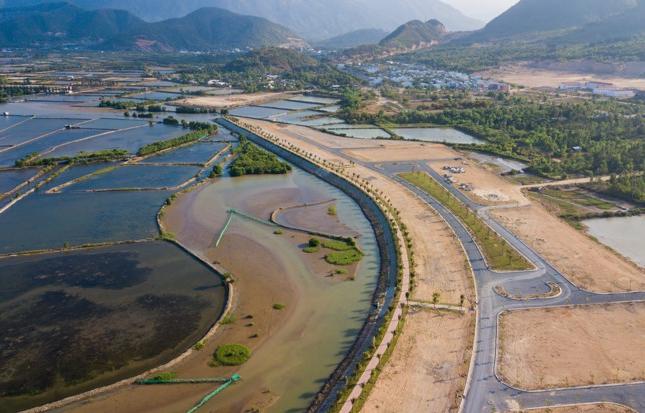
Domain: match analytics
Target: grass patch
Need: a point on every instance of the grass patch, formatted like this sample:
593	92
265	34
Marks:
332	210
279	306
229	319
310	250
338	245
232	354
348	257
499	254
278	232
167	375
199	345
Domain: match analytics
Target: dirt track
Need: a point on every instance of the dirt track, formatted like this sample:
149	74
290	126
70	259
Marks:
588	408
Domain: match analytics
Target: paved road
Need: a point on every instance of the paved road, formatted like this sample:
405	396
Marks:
487	393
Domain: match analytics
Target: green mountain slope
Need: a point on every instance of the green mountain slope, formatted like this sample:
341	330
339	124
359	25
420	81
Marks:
531	16
353	39
415	34
58	24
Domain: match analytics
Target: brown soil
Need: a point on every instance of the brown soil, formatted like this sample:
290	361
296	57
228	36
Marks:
488	187
584	261
428	368
552	348
532	77
229	101
404	151
584	408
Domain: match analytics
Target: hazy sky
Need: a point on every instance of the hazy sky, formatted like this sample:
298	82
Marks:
482	9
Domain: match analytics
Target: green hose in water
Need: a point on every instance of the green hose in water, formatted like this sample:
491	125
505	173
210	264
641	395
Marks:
234	379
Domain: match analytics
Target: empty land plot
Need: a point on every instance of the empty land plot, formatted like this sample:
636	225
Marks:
584	261
233	100
572	346
584	408
428	368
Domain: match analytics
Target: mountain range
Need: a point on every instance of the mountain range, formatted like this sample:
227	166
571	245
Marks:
57	24
312	19
600	19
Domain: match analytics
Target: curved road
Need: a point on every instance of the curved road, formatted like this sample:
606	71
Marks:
487	392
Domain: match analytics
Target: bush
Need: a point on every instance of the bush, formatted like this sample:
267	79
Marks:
232	354
311	250
314	242
279	307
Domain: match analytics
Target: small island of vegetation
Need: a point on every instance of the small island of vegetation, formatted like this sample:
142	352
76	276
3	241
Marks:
251	160
232	354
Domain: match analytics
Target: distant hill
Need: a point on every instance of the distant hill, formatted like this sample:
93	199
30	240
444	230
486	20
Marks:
313	19
58	24
415	34
629	24
61	23
533	16
353	39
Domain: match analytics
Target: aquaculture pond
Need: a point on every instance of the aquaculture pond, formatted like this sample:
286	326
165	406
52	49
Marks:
198	153
440	135
372	133
137	177
155	96
9	179
308	118
9	121
626	235
43	221
257	112
113	123
45	145
322	312
76	320
315	99
130	140
290	105
34	128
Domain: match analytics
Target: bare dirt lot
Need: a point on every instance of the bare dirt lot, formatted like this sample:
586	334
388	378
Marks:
427	371
534	77
584	261
552	348
488	188
584	408
229	101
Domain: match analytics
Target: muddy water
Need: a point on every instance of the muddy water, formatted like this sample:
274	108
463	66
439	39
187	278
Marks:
624	234
298	348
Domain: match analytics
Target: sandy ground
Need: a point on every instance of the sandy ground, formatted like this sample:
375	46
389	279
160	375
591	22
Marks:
584	261
427	371
549	348
488	188
398	151
229	101
531	77
584	408
440	261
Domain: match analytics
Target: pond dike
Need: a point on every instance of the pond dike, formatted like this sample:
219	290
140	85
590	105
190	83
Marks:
384	294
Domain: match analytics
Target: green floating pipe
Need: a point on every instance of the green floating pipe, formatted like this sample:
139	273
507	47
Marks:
234	379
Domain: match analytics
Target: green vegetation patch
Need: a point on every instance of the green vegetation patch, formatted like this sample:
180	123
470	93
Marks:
181	140
279	306
232	354
499	254
167	375
348	257
252	160
339	245
311	250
